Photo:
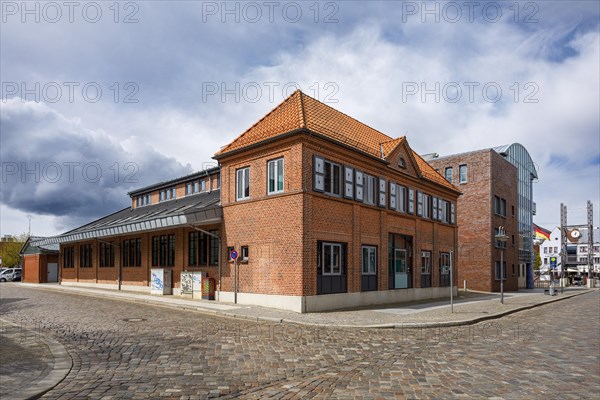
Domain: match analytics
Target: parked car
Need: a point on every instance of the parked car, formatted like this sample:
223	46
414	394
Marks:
11	274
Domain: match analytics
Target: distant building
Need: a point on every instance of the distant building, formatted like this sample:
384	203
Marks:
490	200
577	252
40	263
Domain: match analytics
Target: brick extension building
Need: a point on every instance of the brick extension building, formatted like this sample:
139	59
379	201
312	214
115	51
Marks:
325	212
489	183
40	263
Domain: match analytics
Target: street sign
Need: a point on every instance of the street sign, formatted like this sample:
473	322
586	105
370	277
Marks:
234	255
552	262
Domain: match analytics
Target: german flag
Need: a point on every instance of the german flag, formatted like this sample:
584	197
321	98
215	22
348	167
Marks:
541	233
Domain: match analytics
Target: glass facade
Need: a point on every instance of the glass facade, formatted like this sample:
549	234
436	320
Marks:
518	155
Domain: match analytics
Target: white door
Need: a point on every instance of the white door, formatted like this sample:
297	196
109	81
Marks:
52	272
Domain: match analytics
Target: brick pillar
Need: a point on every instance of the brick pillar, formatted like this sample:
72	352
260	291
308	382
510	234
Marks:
382	273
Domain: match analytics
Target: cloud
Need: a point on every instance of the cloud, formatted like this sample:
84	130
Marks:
53	165
550	107
360	64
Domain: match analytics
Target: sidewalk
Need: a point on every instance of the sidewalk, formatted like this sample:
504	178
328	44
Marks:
31	363
472	308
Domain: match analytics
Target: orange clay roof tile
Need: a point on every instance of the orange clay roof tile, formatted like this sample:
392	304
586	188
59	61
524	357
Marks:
388	147
300	111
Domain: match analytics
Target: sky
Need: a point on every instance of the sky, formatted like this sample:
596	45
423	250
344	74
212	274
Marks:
100	98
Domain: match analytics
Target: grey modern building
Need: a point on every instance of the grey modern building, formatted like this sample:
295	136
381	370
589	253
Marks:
518	156
527	173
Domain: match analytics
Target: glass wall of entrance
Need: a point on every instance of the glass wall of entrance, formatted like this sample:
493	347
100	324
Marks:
399	261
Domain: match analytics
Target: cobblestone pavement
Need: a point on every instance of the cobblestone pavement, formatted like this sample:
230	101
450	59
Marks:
126	350
24	360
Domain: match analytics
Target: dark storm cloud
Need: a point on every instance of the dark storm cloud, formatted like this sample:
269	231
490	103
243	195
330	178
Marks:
55	166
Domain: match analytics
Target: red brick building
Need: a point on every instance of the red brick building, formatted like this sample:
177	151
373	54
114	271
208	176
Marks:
40	263
325	212
490	200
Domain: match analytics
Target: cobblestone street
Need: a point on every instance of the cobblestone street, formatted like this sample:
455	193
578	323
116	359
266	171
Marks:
125	350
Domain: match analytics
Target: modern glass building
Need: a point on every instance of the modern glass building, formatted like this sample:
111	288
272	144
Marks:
518	155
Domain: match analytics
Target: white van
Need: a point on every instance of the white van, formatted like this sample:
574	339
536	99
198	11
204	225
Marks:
10	274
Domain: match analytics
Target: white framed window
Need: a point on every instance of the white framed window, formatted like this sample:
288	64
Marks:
370	189
369	260
242	183
426	263
275	176
401	198
189	188
203	185
196	187
331	262
448	174
245	253
462	173
426	205
333	180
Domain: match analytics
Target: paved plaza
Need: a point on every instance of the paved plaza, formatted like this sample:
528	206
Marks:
123	349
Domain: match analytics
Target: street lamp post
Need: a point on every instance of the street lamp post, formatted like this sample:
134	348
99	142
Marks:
502	237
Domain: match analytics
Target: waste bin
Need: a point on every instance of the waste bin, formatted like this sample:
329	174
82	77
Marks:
208	288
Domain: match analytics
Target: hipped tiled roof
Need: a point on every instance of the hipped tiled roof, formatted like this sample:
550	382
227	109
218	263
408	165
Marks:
300	111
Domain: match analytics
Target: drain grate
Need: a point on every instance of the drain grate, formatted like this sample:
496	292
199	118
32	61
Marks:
134	319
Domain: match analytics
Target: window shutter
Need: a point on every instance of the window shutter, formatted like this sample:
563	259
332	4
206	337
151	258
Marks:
348	182
359	187
452	214
419	203
434	209
393	205
319	174
382	192
440	205
411	201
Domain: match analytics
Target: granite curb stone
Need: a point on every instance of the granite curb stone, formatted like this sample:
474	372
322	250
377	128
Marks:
61	367
163	302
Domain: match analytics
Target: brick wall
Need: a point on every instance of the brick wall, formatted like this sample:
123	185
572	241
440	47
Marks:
340	220
31	268
489	174
133	275
270	225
